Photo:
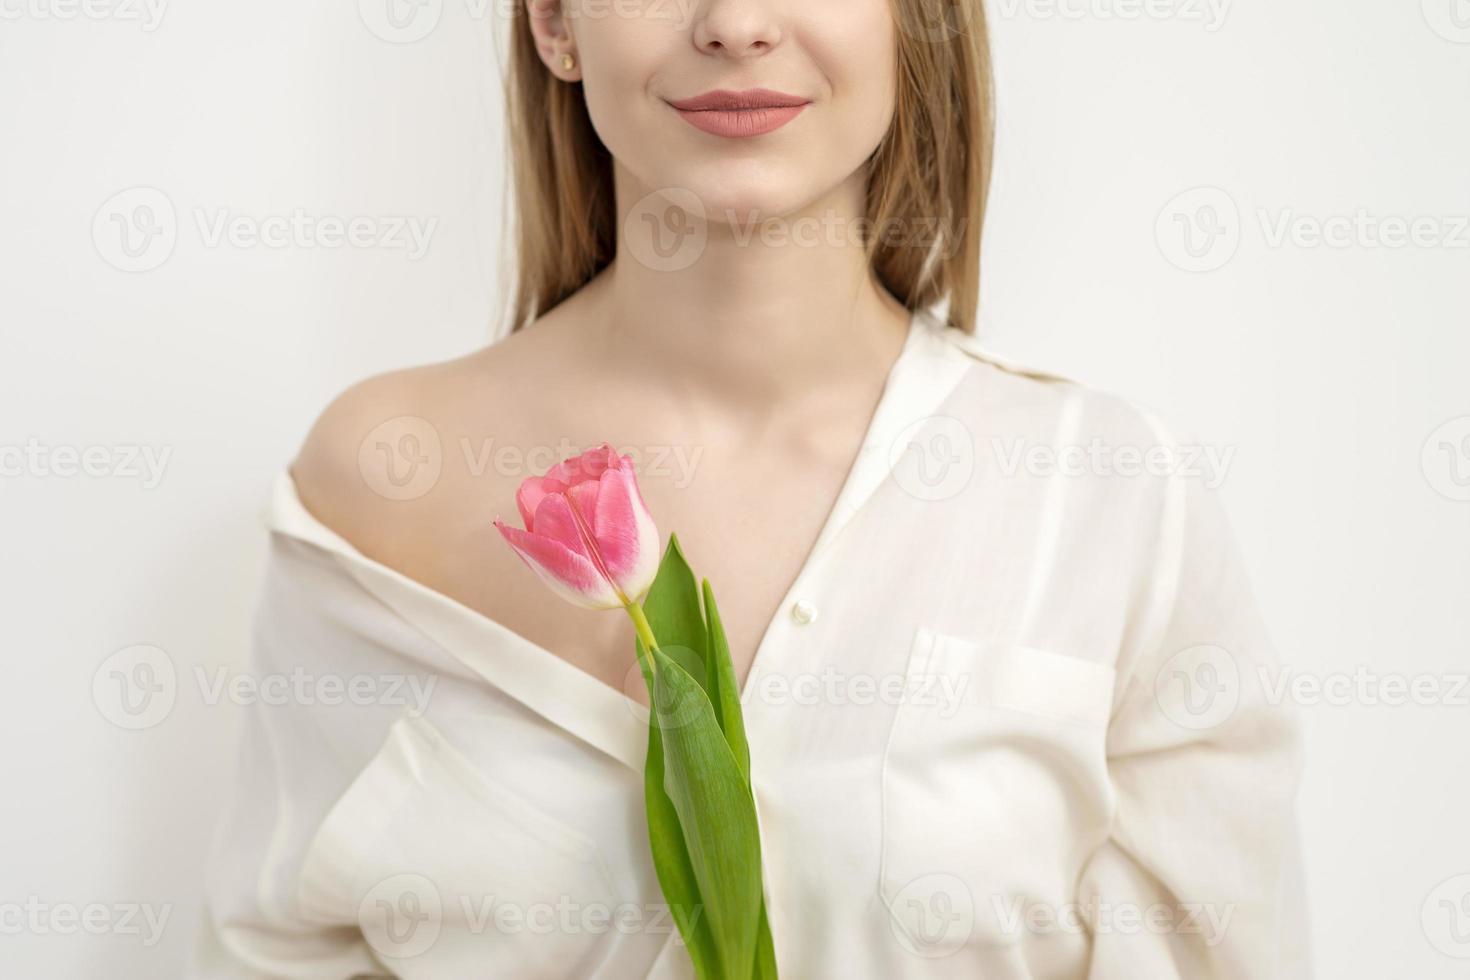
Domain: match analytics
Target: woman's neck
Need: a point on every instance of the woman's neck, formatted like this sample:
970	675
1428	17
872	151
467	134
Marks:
754	316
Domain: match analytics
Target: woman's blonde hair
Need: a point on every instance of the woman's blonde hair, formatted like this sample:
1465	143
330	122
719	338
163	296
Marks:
927	180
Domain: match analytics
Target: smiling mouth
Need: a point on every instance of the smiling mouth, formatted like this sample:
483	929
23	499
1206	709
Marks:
739	115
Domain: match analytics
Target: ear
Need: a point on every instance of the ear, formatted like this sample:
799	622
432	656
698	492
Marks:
554	41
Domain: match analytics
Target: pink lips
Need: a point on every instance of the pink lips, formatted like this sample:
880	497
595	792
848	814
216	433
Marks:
753	112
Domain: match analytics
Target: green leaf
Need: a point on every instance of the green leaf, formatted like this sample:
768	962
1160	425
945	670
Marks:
701	814
765	951
672	608
691	660
671	862
716	812
725	694
723	691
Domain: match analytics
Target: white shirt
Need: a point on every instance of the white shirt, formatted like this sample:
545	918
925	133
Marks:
1010	721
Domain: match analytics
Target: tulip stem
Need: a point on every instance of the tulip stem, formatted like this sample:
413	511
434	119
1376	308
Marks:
645	633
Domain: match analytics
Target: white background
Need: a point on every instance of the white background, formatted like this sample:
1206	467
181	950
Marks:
1327	369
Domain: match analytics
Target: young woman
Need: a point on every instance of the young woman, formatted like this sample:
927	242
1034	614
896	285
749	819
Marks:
1001	672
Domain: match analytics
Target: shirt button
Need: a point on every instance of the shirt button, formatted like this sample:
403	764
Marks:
804	611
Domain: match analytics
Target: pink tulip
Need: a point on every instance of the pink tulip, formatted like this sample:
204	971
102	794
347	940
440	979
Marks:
588	534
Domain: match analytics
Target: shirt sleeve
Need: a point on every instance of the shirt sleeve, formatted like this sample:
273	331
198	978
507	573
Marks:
296	756
1200	877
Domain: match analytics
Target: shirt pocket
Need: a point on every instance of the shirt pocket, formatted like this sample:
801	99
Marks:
447	873
994	790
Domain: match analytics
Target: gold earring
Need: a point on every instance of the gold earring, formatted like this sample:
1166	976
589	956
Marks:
568	62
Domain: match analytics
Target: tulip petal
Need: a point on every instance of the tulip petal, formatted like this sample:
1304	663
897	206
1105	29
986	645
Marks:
530	494
555	520
567	573
590	465
583	496
626	535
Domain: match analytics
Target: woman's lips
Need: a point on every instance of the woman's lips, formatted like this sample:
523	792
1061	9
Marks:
737	123
737	115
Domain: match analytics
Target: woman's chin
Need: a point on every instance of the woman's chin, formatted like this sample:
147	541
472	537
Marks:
740	206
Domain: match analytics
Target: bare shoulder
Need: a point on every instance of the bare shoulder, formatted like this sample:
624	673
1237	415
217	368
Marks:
329	472
392	459
373	460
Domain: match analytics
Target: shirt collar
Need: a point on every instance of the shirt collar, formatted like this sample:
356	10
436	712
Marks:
928	368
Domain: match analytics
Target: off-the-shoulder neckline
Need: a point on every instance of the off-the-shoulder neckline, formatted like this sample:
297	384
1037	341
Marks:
927	368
